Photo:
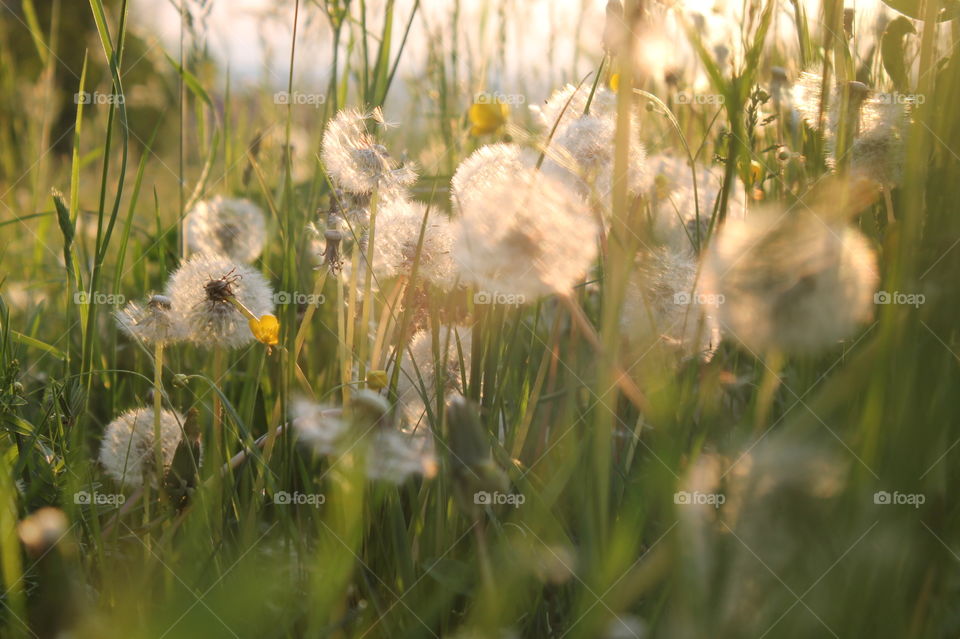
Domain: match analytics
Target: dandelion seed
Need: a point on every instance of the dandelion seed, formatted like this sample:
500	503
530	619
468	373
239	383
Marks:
399	223
151	323
127	452
356	161
528	237
206	291
796	281
321	427
230	227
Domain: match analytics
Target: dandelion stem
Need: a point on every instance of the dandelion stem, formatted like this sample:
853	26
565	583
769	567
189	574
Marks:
367	296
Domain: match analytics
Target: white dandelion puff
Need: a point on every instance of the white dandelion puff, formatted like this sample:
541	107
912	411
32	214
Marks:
488	165
235	228
664	304
794	282
321	427
152	323
398	226
127	452
201	291
356	160
530	236
603	105
421	371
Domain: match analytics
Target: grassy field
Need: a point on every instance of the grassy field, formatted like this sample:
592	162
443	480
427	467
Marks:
667	350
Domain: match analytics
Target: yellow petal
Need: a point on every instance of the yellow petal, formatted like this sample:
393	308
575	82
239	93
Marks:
266	329
615	82
487	117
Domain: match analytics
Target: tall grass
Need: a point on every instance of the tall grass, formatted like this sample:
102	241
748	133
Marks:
598	447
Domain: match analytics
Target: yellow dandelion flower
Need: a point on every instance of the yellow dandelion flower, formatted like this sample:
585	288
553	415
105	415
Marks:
487	117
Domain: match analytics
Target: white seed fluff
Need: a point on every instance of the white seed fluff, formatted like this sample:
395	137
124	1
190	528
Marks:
235	228
197	289
127	451
356	160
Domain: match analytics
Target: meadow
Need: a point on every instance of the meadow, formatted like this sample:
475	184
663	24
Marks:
483	323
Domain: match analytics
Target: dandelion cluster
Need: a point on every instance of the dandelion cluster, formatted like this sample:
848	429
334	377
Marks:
422	371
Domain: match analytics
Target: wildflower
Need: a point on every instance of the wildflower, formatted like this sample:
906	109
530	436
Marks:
493	163
795	281
127	452
215	298
603	105
487	117
528	236
234	228
355	159
265	329
664	303
151	323
421	371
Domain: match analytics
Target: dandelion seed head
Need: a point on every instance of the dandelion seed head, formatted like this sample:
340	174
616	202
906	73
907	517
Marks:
127	451
152	323
200	291
420	373
319	426
235	228
662	305
356	160
529	236
603	105
398	225
488	165
794	282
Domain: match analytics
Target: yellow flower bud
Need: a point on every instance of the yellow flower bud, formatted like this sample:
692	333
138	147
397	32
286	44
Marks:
376	380
266	329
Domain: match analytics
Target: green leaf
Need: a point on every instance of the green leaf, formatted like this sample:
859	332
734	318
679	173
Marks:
949	9
892	54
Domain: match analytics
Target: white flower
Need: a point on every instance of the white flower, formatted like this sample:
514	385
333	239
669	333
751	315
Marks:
127	451
792	281
528	236
354	158
201	290
151	323
233	228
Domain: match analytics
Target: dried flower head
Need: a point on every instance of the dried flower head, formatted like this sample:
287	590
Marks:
151	323
603	105
356	160
206	291
234	228
794	281
398	226
320	426
127	452
528	236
